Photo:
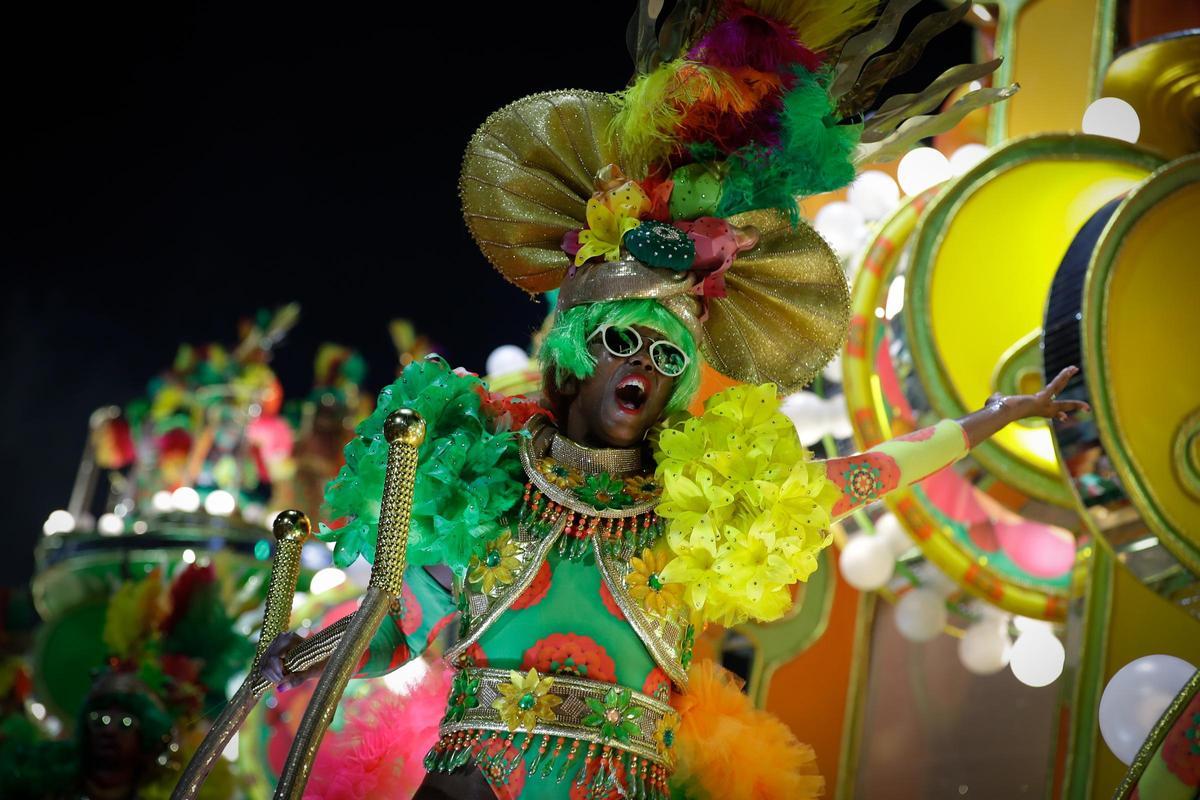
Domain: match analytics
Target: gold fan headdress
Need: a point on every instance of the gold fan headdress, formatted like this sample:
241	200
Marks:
526	179
737	110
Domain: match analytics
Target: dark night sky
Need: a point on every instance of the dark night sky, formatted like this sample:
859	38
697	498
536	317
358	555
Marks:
172	167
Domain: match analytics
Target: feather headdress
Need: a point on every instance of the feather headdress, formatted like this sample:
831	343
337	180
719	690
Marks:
683	188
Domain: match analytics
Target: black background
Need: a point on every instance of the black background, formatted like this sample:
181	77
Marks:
173	167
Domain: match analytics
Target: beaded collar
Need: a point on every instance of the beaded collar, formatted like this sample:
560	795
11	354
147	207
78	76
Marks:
592	460
595	490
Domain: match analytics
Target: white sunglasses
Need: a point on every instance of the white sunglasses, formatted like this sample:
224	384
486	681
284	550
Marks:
623	342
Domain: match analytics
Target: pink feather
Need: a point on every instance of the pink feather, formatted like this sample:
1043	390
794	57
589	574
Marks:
381	750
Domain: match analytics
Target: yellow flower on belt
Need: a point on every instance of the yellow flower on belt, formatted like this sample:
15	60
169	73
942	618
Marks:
610	215
526	700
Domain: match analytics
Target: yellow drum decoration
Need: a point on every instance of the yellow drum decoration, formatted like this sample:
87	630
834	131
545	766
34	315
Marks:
1160	78
984	256
1136	469
872	392
1142	343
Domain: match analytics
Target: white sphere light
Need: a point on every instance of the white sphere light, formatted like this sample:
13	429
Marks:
965	157
59	521
891	531
359	573
326	579
1134	699
110	525
315	555
1037	657
1027	624
874	193
921	168
866	562
985	647
934	580
842	225
220	503
833	370
921	615
808	413
838	415
185	499
1112	117
506	359
161	501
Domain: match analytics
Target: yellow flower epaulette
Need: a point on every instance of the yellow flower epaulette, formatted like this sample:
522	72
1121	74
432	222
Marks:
746	509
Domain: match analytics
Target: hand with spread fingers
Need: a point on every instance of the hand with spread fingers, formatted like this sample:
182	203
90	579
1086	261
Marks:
1000	410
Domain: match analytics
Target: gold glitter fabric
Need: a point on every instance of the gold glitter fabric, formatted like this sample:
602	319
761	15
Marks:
527	176
590	460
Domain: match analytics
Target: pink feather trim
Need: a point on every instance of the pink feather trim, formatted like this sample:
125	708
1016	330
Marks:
381	750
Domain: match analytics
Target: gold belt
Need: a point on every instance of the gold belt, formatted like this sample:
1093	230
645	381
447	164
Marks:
637	753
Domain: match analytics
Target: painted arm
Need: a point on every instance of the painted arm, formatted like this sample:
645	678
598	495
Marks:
863	478
866	477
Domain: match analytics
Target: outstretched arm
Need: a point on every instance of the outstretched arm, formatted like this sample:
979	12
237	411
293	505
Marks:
866	477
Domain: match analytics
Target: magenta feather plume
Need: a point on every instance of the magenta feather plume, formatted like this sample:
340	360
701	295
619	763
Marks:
748	39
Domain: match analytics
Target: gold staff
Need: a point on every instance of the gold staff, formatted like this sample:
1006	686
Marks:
291	528
404	430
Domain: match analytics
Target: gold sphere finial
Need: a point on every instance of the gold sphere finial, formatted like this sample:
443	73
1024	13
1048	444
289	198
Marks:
291	525
405	426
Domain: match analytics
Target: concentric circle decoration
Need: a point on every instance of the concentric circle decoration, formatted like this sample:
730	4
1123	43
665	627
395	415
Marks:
984	255
1134	466
963	522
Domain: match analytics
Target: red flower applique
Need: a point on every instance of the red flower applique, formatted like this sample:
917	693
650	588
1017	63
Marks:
493	758
570	654
509	413
400	656
536	591
657	680
917	436
610	602
863	478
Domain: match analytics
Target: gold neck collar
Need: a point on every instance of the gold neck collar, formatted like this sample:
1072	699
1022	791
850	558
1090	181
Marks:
591	460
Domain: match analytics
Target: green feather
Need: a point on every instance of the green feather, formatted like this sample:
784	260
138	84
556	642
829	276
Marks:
813	156
468	478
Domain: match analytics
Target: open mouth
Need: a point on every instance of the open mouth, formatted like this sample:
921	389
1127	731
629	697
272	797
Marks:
632	392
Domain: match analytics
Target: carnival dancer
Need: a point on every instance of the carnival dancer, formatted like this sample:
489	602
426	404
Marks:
583	540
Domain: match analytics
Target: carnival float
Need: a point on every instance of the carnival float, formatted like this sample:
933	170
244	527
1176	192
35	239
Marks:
1025	622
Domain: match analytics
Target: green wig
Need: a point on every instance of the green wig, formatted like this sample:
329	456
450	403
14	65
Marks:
565	351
